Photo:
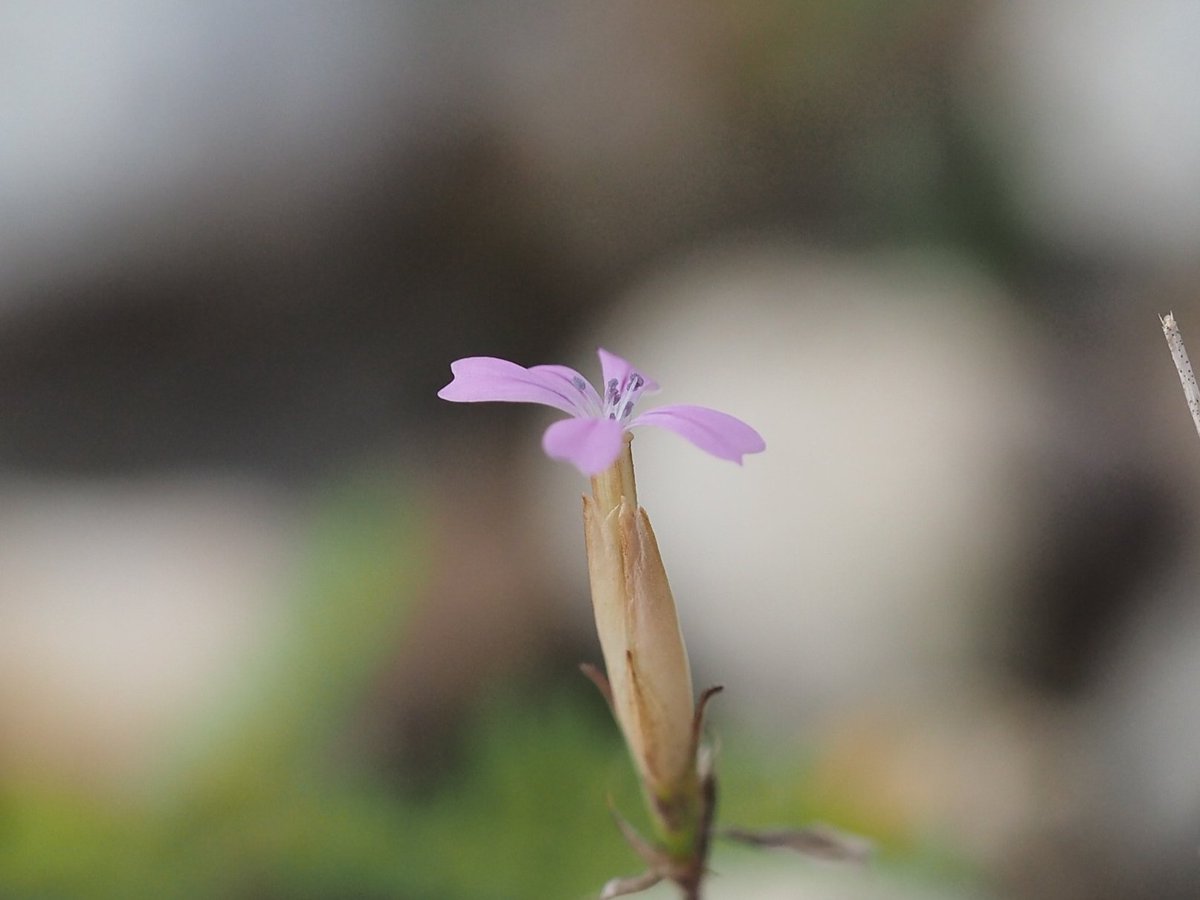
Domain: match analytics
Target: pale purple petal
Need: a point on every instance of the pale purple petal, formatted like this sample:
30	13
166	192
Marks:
614	367
591	445
481	379
713	432
575	384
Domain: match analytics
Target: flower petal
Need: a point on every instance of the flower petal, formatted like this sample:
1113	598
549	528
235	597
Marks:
714	432
591	445
614	366
575	384
481	379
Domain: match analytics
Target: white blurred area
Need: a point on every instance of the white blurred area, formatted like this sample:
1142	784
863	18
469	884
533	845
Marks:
128	613
850	585
1093	107
865	554
869	554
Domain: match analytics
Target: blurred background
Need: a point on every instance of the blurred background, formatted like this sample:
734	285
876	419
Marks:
277	623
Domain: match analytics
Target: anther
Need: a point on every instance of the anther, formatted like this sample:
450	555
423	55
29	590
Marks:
610	395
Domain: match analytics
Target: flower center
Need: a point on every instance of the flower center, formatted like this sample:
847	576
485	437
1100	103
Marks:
619	399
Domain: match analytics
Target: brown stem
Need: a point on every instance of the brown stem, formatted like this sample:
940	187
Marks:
690	881
691	876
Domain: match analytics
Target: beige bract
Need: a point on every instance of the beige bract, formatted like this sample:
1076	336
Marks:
644	653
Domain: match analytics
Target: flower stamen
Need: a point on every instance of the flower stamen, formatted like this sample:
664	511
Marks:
621	398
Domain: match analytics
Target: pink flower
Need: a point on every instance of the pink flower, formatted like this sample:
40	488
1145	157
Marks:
593	437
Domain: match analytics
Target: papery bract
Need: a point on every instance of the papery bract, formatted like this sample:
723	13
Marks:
593	437
644	653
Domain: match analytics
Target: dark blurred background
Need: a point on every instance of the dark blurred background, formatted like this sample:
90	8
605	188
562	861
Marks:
275	622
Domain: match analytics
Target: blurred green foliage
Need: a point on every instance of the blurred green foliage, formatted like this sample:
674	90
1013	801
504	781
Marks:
267	803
